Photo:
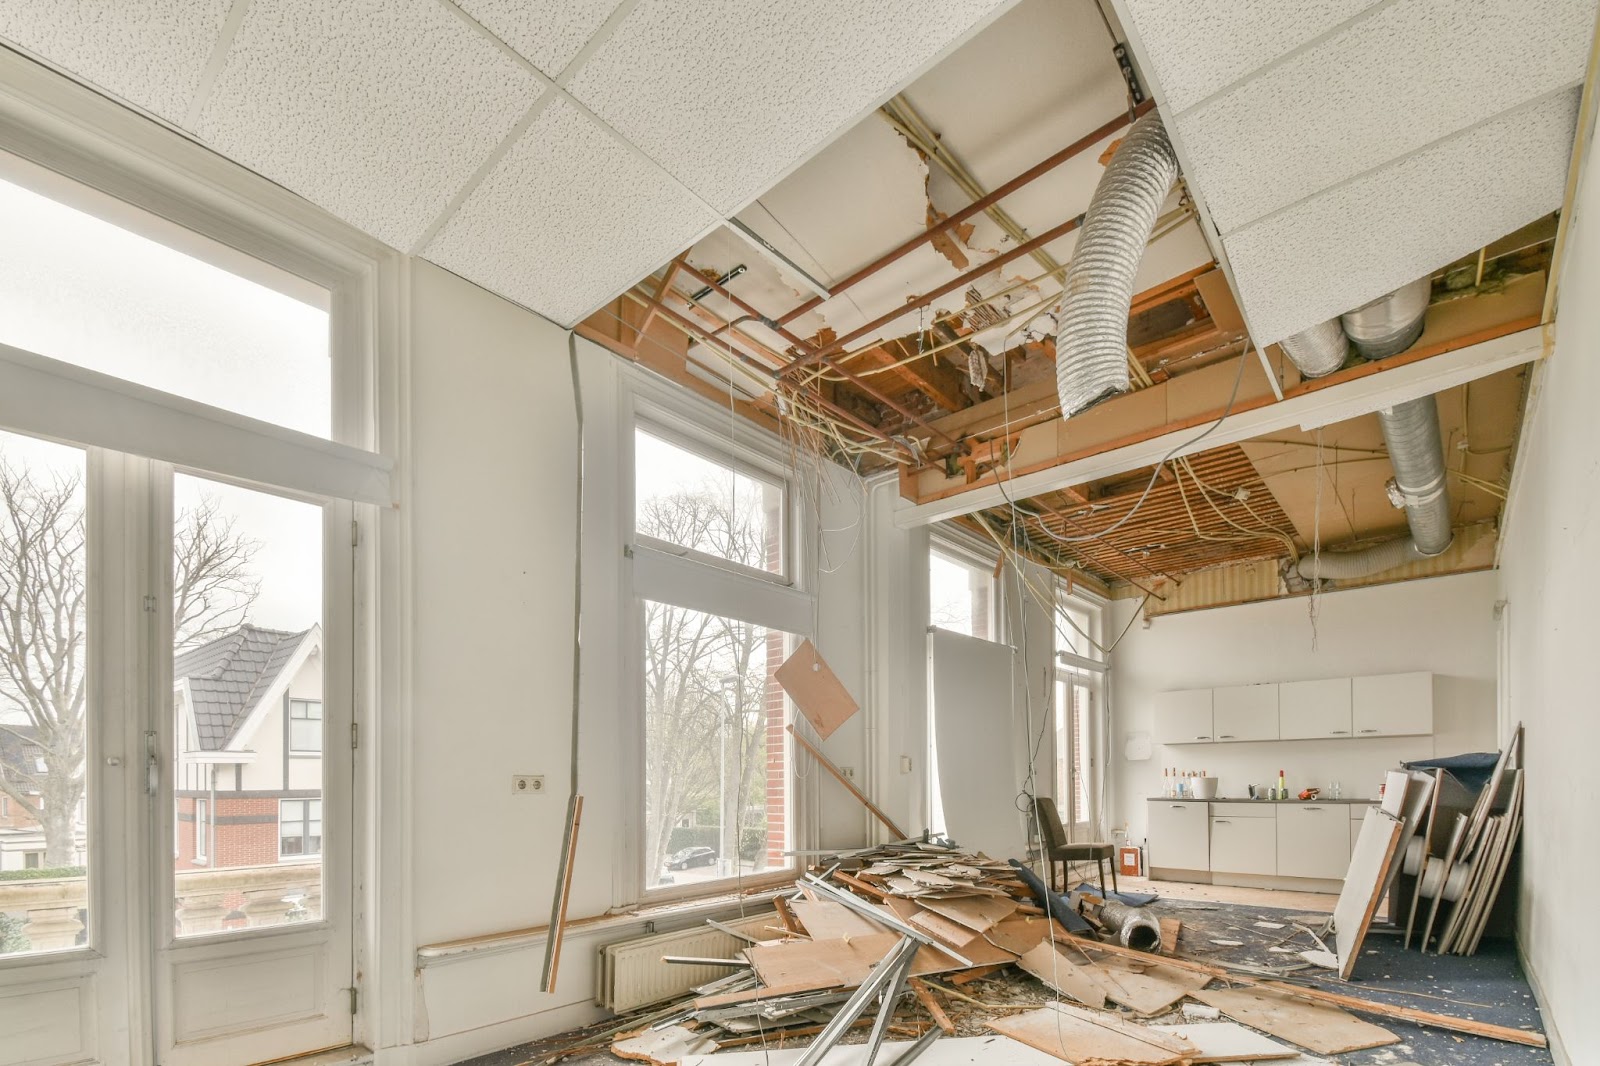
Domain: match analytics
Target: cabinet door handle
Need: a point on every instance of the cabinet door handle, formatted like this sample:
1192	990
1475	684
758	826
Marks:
1220	821
1338	732
1369	730
1225	736
1207	737
1311	808
1180	806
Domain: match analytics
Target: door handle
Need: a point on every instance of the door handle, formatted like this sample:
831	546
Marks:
1225	736
1338	732
1369	730
152	765
1311	808
1206	737
1220	821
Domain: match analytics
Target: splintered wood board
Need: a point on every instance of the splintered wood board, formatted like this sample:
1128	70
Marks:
1313	1026
1364	884
1228	1042
672	1044
816	690
978	913
1058	1031
991	1050
808	965
1019	934
825	920
1170	928
1051	965
1146	988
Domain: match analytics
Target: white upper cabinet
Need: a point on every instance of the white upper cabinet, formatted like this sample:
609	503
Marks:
1184	717
1314	710
1245	712
1393	705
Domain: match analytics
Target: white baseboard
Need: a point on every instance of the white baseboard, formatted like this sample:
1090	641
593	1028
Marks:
1558	1050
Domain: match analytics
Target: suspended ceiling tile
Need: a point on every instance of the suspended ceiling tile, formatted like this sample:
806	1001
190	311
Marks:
378	110
567	219
547	35
1359	240
1200	47
1393	82
729	98
149	52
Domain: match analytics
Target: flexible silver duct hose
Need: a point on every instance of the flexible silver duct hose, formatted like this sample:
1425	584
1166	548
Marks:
1134	930
1387	326
1317	350
1390	324
1092	319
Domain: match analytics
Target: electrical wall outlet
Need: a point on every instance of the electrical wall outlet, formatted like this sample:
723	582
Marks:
849	772
527	784
905	764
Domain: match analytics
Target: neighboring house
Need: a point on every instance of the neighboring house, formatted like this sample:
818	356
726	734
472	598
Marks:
22	844
249	742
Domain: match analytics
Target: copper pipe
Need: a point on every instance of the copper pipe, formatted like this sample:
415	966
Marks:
976	207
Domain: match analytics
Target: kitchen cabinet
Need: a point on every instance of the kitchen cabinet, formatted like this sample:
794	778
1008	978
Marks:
1313	840
1314	710
1180	836
1358	812
1245	712
1392	705
1244	838
1184	717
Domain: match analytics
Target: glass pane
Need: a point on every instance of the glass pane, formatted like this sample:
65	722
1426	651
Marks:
247	675
80	289
959	596
686	499
716	771
44	619
1081	719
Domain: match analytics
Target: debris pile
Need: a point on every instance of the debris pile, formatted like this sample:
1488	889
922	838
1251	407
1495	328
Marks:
926	943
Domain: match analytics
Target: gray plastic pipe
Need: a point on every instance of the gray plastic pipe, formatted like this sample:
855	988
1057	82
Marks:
1092	318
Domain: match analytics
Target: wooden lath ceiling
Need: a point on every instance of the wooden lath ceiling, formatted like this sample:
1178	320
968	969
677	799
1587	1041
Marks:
1194	518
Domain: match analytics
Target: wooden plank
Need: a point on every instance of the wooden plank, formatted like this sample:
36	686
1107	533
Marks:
1170	928
1318	1027
1227	1042
935	1011
822	760
979	913
1078	1040
816	690
1050	965
1147	987
824	919
1316	995
1364	883
559	926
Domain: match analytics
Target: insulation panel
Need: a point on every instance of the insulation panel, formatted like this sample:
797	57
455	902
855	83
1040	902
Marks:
149	52
1360	98
729	100
547	35
379	110
1351	243
1200	48
569	217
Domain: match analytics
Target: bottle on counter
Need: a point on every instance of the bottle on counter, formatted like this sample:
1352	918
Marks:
1283	788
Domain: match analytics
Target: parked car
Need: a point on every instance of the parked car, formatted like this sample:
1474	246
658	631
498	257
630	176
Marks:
688	858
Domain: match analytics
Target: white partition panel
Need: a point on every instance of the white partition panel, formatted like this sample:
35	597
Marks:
980	718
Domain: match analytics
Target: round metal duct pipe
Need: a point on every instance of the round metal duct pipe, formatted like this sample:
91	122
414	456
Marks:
1092	319
1391	323
1317	350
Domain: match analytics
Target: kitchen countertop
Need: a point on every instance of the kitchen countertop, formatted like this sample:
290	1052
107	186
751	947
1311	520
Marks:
1247	799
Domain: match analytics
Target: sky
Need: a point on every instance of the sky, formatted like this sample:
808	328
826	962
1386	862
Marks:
80	289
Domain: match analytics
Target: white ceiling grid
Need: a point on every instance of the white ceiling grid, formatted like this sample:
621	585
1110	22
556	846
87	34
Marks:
395	114
1312	133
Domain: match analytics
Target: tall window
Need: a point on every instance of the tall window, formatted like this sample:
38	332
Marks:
201	822
1079	694
299	828
305	727
716	772
961	595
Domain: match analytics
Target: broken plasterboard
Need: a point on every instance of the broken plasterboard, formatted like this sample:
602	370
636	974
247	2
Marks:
1228	1042
816	690
1325	1030
1365	882
947	1051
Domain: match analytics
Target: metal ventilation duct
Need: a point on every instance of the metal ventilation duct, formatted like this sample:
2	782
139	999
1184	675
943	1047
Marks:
1092	331
1387	326
1318	350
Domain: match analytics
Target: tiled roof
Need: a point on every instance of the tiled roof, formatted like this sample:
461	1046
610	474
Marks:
19	747
229	675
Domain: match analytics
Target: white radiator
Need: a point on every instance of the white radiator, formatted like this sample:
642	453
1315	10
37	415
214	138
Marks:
631	973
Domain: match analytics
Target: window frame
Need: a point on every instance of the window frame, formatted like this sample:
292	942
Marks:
305	821
1092	672
955	549
289	743
202	821
666	573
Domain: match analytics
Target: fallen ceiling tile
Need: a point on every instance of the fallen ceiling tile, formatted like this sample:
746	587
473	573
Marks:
568	218
379	112
149	52
547	35
730	104
1199	48
1388	85
1356	241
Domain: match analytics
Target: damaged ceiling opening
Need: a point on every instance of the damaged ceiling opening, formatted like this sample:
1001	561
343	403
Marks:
892	305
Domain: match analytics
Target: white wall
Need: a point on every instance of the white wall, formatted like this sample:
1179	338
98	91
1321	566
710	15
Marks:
1445	625
491	523
1547	565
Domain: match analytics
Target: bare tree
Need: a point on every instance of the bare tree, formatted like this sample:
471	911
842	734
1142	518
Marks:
704	682
43	622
